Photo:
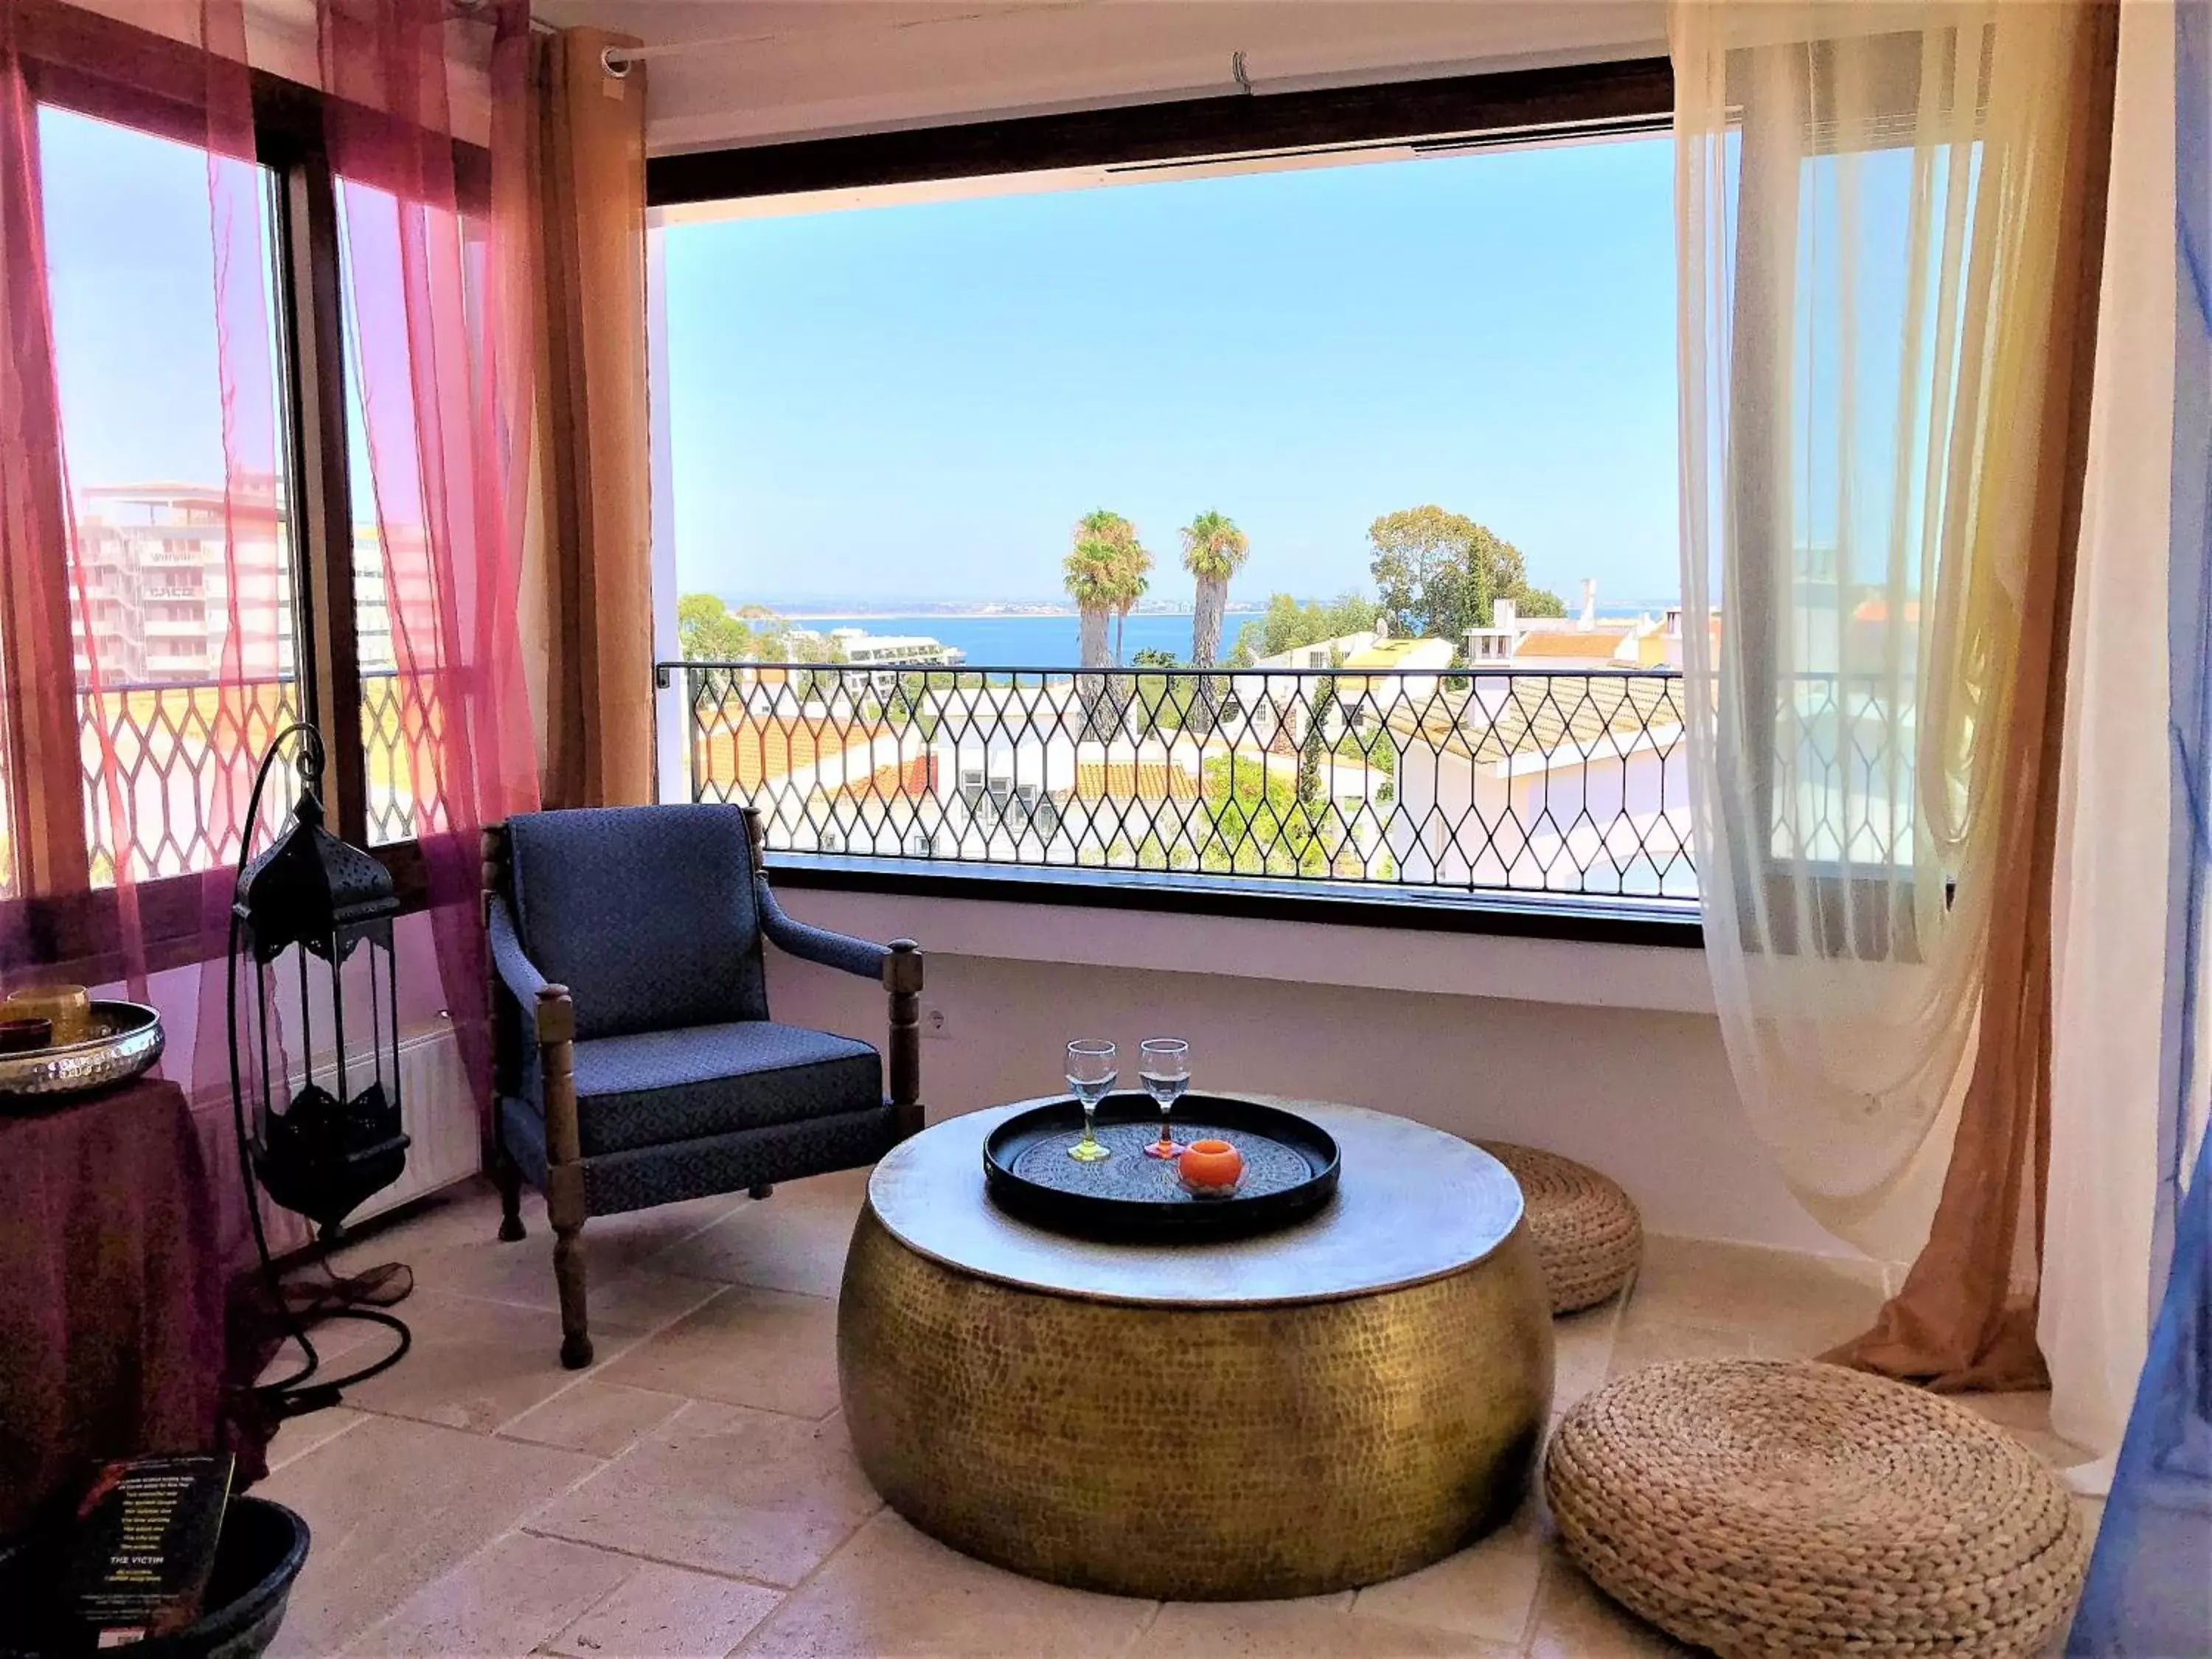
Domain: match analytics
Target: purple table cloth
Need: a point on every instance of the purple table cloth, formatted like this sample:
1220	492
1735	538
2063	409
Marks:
111	1292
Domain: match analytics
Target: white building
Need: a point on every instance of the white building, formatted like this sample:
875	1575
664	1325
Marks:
1559	782
857	646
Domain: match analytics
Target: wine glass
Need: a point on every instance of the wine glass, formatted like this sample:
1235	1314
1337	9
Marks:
1090	1073
1164	1065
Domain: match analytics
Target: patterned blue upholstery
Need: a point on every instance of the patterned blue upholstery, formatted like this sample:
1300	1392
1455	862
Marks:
652	1088
839	950
646	914
637	1180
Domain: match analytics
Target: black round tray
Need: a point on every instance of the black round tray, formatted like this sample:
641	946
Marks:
1290	1169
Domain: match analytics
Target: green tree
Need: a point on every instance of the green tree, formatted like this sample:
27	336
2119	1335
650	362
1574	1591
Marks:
1153	656
708	631
1213	550
1286	625
1437	573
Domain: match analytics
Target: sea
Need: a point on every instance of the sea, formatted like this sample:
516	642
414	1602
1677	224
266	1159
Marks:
1054	642
1032	642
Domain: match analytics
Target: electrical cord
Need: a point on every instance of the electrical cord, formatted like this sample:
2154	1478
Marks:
294	1396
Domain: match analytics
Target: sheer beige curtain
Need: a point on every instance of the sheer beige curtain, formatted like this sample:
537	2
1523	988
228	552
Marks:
1886	210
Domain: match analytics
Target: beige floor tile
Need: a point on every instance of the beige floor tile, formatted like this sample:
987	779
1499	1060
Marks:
451	1243
392	1504
1289	1629
892	1591
477	1364
2027	1416
1798	1304
1650	1339
723	1489
793	1241
506	1599
298	1436
595	1416
1582	1348
665	1613
1486	1590
768	1349
1574	1620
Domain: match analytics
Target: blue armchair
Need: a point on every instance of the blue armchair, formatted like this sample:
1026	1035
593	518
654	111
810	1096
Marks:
635	1062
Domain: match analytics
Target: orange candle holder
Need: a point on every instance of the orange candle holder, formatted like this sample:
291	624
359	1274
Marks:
1211	1169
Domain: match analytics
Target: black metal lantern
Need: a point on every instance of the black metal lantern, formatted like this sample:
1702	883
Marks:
311	927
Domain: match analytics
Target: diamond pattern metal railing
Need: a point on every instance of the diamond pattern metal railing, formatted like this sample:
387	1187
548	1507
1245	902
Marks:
1546	782
183	760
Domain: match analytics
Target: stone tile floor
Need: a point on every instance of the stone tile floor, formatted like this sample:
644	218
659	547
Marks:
693	1493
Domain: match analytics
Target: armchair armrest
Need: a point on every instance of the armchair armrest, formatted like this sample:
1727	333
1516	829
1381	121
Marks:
839	950
546	1005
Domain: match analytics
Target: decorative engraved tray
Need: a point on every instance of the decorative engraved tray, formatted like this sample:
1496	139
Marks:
1290	1170
126	1041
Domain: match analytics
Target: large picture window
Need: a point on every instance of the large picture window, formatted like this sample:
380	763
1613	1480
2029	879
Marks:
1302	517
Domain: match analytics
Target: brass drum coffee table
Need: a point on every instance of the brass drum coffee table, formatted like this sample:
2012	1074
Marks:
1323	1407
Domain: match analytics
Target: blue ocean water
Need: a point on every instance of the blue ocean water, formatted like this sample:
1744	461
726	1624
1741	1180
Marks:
1032	642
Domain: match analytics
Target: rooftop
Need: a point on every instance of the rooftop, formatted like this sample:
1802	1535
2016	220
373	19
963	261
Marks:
1542	714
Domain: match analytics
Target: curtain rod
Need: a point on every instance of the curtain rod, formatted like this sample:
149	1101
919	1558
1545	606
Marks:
617	60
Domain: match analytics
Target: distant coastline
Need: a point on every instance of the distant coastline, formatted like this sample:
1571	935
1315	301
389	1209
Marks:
980	613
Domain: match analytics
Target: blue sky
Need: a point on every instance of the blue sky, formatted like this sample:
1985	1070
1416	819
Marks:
918	401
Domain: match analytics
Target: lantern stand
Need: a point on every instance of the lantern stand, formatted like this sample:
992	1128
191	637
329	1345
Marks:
311	896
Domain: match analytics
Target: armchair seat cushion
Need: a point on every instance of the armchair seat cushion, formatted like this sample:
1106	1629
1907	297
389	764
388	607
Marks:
652	1088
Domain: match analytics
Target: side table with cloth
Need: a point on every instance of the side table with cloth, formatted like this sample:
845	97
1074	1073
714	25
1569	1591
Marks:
110	1291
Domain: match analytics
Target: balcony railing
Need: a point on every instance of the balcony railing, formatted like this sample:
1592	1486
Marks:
1468	781
183	798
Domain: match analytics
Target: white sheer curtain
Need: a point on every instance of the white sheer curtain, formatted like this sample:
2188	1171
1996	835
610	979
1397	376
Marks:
2110	936
1874	205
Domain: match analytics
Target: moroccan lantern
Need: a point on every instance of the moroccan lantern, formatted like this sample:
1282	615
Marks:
311	940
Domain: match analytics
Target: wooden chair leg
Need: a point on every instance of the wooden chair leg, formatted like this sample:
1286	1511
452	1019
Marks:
508	1174
902	978
564	1175
568	1278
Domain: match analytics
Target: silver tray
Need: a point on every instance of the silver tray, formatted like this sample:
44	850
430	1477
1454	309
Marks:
126	1041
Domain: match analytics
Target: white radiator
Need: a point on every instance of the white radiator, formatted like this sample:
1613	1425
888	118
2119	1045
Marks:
440	1116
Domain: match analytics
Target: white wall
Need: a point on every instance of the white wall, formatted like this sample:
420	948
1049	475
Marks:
1642	1093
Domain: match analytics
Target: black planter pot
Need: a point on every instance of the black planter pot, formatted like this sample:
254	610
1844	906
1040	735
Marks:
263	1548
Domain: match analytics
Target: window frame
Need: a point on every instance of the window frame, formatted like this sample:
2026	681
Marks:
1449	114
63	50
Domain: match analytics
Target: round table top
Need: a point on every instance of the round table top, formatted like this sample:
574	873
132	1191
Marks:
1414	1204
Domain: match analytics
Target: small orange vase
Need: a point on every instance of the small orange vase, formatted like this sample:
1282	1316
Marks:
1211	1168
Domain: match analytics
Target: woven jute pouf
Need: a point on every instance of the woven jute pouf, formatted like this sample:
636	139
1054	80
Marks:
1586	1230
1785	1508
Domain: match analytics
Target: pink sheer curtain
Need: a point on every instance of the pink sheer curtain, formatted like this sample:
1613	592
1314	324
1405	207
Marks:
121	800
446	364
111	782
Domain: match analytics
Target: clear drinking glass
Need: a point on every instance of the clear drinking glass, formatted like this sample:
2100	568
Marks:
1164	1065
1090	1073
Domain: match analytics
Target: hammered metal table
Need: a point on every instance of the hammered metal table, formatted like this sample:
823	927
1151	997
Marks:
1319	1408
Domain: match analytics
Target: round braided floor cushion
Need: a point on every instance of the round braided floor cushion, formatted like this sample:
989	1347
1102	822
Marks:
1586	1230
1785	1508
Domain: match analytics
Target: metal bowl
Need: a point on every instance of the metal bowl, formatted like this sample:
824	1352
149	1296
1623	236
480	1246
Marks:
126	1041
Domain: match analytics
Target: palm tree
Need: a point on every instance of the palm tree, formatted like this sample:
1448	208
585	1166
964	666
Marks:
1093	576
1213	550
